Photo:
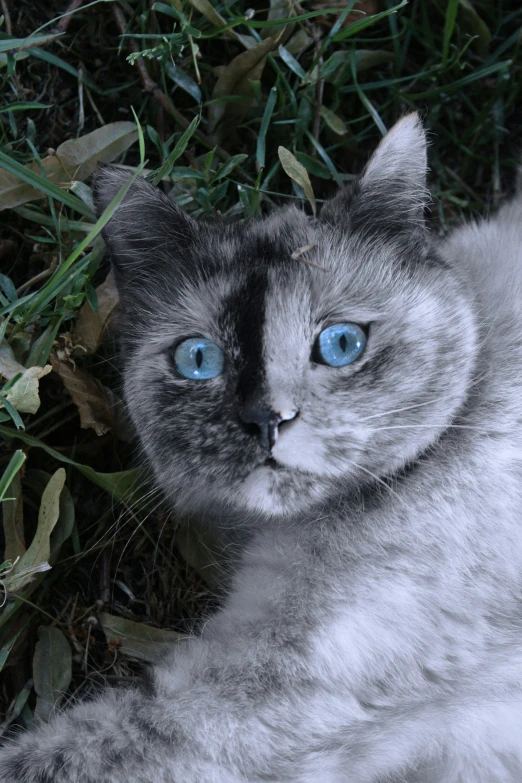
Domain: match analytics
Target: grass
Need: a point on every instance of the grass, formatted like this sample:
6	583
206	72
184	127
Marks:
207	93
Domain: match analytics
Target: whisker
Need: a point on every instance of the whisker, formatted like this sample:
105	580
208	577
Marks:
381	481
446	426
406	408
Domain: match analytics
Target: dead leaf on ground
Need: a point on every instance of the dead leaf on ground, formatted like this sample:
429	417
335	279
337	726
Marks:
93	400
369	7
280	9
37	556
137	639
9	367
75	159
23	394
92	327
52	670
207	9
236	77
298	173
333	121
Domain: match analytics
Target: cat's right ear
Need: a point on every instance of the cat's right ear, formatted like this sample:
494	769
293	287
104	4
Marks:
146	232
390	195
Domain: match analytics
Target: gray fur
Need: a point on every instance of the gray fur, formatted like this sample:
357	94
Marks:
373	629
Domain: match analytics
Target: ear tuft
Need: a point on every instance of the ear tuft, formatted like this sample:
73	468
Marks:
401	155
105	183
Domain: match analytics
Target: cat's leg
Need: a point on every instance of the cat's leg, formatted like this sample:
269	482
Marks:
212	717
124	736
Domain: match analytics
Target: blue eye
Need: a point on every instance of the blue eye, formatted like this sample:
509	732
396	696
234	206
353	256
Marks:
341	344
198	358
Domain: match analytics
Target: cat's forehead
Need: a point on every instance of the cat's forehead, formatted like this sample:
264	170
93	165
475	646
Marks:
273	241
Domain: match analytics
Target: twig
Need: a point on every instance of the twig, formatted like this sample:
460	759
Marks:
63	24
93	105
81	111
37	278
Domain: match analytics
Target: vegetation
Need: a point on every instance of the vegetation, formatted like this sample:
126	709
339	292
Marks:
198	96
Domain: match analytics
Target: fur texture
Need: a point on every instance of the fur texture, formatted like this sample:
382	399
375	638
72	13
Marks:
373	630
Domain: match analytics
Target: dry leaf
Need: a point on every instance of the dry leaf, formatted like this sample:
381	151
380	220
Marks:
92	327
23	394
93	400
298	173
333	121
280	9
75	159
206	8
235	78
9	367
37	556
369	7
137	639
52	670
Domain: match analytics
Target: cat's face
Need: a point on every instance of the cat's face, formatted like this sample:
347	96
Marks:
243	395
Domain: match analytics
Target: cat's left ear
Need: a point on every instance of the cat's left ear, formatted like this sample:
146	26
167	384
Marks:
147	231
391	191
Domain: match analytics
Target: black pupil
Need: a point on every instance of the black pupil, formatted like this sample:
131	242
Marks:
343	342
199	357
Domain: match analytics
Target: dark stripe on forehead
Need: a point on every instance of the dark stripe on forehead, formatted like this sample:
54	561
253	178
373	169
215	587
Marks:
249	305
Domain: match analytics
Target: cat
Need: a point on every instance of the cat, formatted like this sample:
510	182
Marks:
348	389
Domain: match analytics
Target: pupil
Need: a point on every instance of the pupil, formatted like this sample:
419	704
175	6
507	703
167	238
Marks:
199	357
343	342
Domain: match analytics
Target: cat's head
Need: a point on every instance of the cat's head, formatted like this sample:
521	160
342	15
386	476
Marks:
270	365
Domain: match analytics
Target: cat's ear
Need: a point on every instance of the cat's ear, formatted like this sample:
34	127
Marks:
147	230
391	192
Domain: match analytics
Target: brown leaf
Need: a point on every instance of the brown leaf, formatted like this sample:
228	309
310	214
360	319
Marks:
235	78
206	8
92	327
75	159
328	20
93	400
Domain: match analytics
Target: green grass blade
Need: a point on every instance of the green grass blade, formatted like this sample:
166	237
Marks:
265	122
451	16
91	236
177	152
42	184
24	106
368	105
369	21
15	463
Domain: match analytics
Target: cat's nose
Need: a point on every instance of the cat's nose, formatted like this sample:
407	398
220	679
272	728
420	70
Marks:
265	423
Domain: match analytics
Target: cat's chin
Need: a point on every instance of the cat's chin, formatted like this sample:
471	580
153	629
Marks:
276	490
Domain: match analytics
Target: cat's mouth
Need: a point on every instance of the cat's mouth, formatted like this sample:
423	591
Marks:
270	462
